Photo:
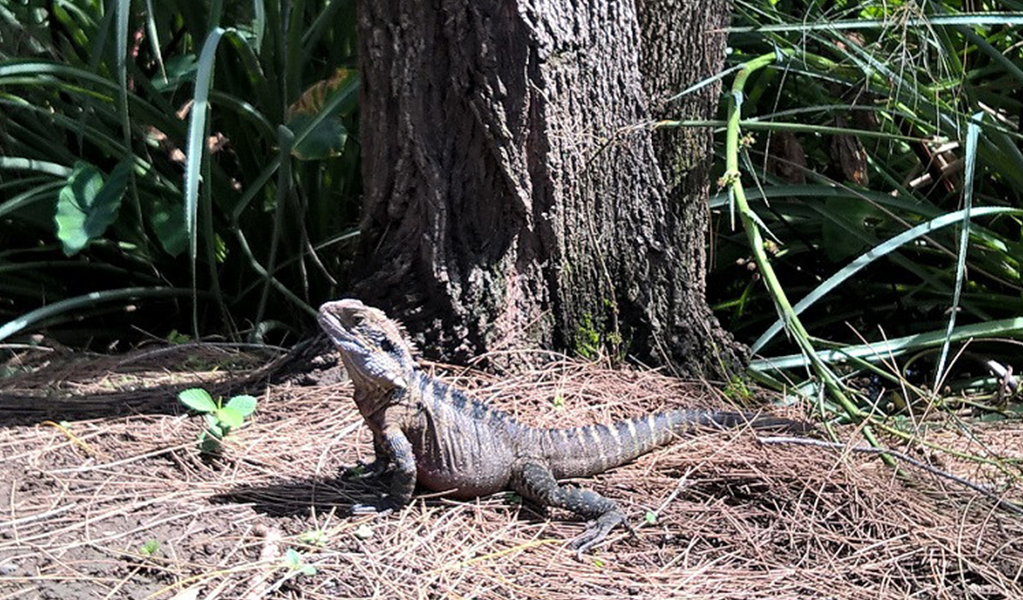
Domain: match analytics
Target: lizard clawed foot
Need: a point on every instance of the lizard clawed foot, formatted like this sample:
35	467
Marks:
596	531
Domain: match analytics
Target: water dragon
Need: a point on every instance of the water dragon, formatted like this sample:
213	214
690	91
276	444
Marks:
428	431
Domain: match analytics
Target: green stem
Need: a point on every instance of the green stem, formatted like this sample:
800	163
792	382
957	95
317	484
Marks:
749	222
757	125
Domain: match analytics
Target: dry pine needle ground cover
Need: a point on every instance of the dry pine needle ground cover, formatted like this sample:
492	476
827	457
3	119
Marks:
108	496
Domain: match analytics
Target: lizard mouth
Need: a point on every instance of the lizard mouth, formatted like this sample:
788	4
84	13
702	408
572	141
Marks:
361	336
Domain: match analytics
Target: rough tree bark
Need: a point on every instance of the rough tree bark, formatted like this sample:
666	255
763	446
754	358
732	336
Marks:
514	193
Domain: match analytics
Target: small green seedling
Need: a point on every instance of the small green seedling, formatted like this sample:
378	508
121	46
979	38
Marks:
296	564
314	537
650	517
220	418
149	548
175	337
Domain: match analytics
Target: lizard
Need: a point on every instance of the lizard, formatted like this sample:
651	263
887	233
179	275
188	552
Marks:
430	432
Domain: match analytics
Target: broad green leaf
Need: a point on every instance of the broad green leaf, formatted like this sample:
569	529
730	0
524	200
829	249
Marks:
339	102
314	537
168	222
86	205
326	139
197	399
295	561
244	404
327	134
180	68
73	204
231	417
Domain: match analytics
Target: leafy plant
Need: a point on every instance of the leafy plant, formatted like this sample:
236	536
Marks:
149	548
296	564
220	418
873	156
196	164
87	205
314	537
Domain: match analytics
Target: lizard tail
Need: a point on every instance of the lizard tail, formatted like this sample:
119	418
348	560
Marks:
585	451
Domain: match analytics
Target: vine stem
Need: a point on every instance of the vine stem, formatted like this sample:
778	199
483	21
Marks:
793	325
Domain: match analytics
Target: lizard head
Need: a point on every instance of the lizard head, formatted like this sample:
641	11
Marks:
372	346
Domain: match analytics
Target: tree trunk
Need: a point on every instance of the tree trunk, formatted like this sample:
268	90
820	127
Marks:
515	195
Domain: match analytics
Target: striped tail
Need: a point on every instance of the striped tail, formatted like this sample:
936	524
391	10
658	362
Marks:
585	451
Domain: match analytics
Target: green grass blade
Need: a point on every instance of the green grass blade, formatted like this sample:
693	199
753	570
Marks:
75	81
195	147
258	23
293	55
878	351
322	22
123	12
865	259
154	39
39	315
760	125
16	163
284	145
967	19
195	152
829	190
972	133
39	193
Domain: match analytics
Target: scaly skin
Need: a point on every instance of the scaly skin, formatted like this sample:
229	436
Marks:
433	433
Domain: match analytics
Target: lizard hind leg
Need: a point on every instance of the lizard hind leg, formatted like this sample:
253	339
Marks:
535	482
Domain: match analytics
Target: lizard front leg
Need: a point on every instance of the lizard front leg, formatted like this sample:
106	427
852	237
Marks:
380	464
534	481
395	446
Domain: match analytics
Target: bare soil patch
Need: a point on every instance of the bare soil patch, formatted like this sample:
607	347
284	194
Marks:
98	461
